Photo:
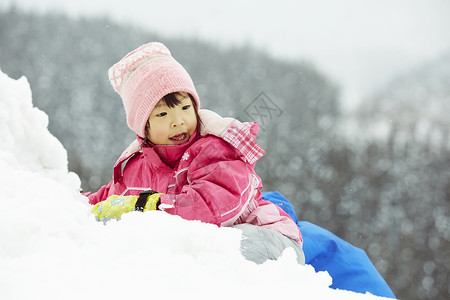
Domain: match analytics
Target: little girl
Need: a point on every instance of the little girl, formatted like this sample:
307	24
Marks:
189	162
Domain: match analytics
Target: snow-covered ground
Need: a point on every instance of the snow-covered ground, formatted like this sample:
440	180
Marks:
51	247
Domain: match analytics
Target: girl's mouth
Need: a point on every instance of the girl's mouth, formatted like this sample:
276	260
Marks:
179	138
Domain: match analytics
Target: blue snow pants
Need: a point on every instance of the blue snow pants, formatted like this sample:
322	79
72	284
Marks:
349	266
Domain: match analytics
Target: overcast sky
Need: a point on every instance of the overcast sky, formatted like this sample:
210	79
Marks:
358	43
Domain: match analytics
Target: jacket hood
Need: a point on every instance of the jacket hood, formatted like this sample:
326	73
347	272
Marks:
242	136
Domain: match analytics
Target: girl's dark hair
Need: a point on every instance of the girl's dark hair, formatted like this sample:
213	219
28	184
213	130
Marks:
172	101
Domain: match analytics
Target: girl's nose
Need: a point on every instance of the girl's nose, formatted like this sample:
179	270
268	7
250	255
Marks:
177	121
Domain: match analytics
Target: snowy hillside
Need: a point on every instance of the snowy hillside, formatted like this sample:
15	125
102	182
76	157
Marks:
52	248
421	95
415	106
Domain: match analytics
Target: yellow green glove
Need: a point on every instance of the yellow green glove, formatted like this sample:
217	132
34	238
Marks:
114	206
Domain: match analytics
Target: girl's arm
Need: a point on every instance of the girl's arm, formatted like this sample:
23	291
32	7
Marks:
100	195
103	192
221	186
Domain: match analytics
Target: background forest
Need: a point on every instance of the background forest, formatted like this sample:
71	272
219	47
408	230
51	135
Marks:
379	178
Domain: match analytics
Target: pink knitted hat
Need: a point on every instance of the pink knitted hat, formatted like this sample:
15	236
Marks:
143	77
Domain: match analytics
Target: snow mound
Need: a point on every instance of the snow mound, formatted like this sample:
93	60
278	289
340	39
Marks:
51	247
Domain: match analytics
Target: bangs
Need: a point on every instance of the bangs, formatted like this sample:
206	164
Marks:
172	101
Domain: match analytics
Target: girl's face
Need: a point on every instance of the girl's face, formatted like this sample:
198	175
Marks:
172	126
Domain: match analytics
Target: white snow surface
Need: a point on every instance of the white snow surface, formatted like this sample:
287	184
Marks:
51	247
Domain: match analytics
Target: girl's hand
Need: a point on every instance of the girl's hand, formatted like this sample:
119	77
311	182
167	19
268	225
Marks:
114	206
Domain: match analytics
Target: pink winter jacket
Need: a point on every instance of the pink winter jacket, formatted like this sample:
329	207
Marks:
213	182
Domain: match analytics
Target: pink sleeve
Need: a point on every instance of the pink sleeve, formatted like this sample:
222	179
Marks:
220	186
100	195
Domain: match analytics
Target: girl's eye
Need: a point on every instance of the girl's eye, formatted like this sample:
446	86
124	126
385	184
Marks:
186	107
162	114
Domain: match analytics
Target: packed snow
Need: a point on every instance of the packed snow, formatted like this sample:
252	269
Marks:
52	247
